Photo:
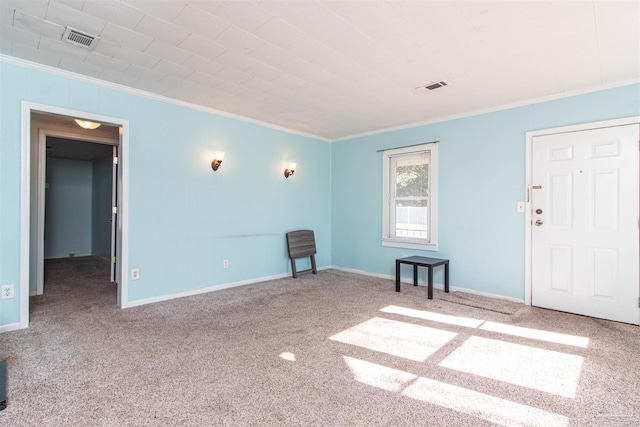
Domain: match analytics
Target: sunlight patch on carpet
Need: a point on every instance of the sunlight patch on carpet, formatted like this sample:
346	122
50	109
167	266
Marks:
436	317
536	334
469	322
483	406
522	365
480	405
406	340
378	376
288	356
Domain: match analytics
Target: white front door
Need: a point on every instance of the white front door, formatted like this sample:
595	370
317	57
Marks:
585	209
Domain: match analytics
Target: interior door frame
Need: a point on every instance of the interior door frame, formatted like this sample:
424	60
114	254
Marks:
528	226
41	183
114	213
25	199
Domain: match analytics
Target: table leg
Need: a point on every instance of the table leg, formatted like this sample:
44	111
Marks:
446	277
397	276
430	281
415	275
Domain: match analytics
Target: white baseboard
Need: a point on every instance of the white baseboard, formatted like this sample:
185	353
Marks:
67	256
208	289
136	303
11	327
487	294
436	285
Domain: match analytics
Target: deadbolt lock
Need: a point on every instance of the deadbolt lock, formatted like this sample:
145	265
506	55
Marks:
538	211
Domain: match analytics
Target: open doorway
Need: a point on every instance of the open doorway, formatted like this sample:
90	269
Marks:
79	197
55	150
74	193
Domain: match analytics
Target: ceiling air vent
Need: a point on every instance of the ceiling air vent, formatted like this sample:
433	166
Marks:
78	38
436	85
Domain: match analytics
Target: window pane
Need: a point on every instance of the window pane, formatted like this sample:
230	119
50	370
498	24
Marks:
412	217
412	177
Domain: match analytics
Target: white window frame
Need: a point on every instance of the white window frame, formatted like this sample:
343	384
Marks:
402	242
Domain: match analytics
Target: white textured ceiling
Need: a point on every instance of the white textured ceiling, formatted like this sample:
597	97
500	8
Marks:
336	68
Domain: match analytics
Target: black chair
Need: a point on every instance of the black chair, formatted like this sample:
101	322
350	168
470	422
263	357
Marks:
302	244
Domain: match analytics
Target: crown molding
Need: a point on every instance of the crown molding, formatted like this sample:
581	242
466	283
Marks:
493	109
161	98
122	88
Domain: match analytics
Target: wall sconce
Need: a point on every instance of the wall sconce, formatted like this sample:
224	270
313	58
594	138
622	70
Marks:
290	170
87	124
217	160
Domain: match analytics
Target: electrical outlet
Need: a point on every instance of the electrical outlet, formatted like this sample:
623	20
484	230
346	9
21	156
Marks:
7	291
225	263
135	273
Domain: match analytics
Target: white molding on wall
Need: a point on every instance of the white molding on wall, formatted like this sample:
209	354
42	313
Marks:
25	196
167	297
222	286
115	86
25	212
139	92
75	255
11	327
436	285
493	109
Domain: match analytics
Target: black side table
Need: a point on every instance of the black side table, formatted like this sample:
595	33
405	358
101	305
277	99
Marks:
420	261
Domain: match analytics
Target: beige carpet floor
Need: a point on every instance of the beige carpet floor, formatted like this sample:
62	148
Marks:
332	349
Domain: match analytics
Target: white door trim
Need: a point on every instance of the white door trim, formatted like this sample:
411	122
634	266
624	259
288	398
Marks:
529	170
25	195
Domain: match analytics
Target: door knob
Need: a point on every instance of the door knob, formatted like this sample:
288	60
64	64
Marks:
538	223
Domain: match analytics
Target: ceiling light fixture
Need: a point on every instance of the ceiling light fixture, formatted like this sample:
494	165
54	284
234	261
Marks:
87	124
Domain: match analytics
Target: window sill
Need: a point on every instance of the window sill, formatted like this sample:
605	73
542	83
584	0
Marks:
394	243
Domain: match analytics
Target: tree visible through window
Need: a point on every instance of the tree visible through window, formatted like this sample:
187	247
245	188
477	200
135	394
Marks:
409	209
411	199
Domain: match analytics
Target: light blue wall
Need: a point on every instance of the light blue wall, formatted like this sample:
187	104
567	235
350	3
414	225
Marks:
68	208
481	178
184	219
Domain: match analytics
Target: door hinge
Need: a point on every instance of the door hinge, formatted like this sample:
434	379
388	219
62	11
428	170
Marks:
114	210
115	160
113	260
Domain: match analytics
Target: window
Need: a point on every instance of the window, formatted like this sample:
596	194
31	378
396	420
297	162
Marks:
410	197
